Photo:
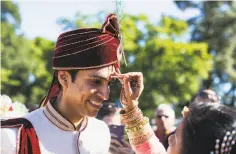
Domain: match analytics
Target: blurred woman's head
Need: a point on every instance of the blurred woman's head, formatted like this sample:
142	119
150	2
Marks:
207	95
208	128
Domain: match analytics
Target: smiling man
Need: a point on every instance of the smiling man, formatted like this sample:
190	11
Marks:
83	60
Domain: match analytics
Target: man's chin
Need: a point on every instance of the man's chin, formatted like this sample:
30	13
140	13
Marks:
93	114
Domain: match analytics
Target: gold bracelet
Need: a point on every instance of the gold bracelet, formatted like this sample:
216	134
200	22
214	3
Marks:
130	112
137	128
145	130
134	122
138	122
131	118
141	139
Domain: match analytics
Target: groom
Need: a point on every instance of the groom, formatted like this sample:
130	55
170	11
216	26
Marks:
83	62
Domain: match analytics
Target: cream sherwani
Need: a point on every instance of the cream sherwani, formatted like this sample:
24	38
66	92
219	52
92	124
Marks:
57	135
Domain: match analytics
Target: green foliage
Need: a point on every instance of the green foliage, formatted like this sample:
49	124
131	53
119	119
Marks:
10	13
216	25
24	74
24	69
173	27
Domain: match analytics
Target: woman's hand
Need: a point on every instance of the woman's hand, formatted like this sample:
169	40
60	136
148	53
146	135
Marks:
132	87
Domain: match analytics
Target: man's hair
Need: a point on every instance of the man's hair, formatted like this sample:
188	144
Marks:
205	123
73	74
166	107
206	95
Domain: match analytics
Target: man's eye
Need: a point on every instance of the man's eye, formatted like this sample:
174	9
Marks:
97	82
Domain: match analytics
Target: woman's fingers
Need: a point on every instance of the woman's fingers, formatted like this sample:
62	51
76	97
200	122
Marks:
132	87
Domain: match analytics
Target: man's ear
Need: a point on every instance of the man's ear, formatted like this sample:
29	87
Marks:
64	78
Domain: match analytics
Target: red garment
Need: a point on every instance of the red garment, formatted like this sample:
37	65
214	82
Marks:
28	140
87	48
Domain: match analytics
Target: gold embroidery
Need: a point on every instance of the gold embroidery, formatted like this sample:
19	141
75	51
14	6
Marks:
81	41
78	33
60	121
82	68
84	49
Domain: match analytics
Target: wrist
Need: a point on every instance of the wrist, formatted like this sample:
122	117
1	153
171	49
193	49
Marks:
132	106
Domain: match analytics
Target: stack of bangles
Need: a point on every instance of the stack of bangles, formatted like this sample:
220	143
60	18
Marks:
137	126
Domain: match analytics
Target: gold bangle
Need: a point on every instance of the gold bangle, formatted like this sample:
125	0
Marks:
137	128
132	117
145	130
130	113
134	122
138	122
141	139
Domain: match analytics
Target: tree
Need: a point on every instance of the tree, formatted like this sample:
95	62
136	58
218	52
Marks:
24	72
216	25
172	70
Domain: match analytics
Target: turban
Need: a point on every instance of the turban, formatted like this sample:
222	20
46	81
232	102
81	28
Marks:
86	48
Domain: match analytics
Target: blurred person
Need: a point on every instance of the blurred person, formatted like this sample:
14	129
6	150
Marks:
109	113
206	128
83	62
9	109
206	95
165	122
5	106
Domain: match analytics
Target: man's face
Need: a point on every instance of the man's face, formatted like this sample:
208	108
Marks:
164	121
78	95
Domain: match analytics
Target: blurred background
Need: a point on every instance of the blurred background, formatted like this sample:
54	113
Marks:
181	47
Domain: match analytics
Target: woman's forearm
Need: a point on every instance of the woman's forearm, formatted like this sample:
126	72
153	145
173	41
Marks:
140	133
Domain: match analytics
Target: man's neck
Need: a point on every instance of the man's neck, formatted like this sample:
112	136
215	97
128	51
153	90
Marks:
61	107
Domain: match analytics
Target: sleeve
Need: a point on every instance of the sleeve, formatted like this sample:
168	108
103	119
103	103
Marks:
151	146
8	140
140	133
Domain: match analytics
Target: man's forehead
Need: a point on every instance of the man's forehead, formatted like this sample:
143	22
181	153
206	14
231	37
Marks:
104	72
165	112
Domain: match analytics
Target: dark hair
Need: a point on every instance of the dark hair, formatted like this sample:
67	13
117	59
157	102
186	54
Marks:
206	95
73	74
205	123
108	108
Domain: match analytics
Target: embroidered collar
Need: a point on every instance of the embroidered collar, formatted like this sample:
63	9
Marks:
61	122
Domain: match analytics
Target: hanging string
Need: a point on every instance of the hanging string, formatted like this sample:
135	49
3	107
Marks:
119	14
119	9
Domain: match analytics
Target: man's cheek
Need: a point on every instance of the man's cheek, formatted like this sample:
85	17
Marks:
80	88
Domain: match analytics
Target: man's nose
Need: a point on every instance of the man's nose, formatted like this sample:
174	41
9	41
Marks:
104	93
163	118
